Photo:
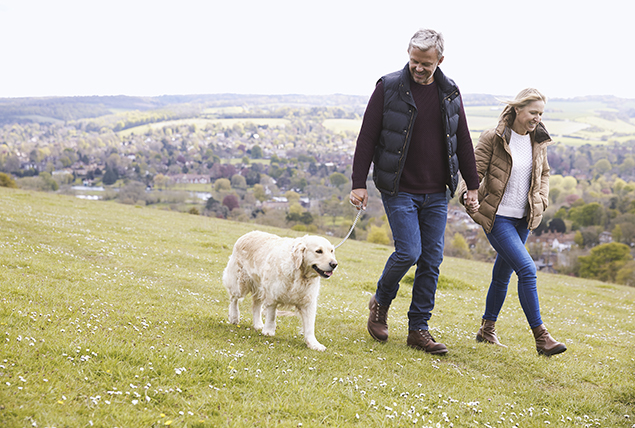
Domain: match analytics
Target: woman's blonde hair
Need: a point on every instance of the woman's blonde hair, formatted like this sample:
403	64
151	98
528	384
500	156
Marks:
523	99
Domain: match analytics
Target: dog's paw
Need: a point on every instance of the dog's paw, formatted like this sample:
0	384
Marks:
233	319
317	346
258	325
268	331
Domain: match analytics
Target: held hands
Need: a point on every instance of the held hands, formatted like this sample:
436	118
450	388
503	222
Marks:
359	198
470	200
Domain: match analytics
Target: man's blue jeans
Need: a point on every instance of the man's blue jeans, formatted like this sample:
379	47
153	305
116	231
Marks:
508	237
418	226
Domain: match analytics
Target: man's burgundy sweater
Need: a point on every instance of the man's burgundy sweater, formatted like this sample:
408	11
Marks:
426	167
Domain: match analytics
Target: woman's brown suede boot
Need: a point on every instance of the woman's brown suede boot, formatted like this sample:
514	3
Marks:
545	344
487	333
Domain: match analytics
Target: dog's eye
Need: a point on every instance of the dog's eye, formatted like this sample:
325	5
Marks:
319	251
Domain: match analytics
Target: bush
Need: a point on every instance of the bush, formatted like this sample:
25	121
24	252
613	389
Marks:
222	184
377	235
626	275
458	247
605	261
238	182
49	182
132	193
7	181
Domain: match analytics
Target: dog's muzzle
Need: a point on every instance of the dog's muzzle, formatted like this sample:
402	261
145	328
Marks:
325	273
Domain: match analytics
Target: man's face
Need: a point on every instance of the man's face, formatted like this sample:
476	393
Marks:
423	64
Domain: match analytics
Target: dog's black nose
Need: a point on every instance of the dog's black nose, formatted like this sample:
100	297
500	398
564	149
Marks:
333	265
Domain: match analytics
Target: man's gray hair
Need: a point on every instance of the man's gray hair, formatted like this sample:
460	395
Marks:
425	39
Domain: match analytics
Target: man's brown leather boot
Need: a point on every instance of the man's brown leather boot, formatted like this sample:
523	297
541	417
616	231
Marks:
423	341
377	325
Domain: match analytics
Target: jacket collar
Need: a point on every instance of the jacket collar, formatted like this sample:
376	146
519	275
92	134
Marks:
405	77
445	83
540	135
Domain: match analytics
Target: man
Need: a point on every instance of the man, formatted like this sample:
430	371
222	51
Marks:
415	133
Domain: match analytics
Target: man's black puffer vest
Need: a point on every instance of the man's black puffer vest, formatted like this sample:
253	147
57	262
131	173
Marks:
399	115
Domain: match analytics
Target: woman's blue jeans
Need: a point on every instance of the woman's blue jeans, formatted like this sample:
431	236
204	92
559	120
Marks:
508	237
418	226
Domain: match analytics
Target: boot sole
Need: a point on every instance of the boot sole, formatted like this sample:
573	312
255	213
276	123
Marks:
377	338
437	352
481	339
556	351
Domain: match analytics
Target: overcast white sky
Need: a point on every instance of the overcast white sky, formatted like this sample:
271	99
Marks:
155	47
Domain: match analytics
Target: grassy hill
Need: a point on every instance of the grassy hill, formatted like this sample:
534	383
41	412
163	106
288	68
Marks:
115	315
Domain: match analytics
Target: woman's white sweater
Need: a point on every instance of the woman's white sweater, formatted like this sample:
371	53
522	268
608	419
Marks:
515	200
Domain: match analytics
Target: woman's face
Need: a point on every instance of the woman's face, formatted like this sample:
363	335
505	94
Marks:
528	117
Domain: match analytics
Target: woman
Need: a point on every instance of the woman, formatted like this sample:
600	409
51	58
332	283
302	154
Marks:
511	160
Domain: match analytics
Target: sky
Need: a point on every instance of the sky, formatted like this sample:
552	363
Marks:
563	48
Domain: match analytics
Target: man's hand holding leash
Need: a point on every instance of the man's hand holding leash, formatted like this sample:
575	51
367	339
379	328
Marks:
359	198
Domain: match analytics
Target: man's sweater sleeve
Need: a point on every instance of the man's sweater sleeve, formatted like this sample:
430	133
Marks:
465	152
368	138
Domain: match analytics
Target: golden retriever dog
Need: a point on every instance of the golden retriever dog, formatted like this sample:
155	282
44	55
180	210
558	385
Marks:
279	271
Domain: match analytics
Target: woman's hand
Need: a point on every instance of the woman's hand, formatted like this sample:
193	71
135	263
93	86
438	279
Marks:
470	200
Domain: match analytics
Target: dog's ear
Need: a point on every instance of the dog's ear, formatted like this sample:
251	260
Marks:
297	253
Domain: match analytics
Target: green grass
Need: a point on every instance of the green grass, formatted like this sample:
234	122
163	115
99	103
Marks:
142	129
224	110
201	123
479	124
41	119
273	122
115	316
340	125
